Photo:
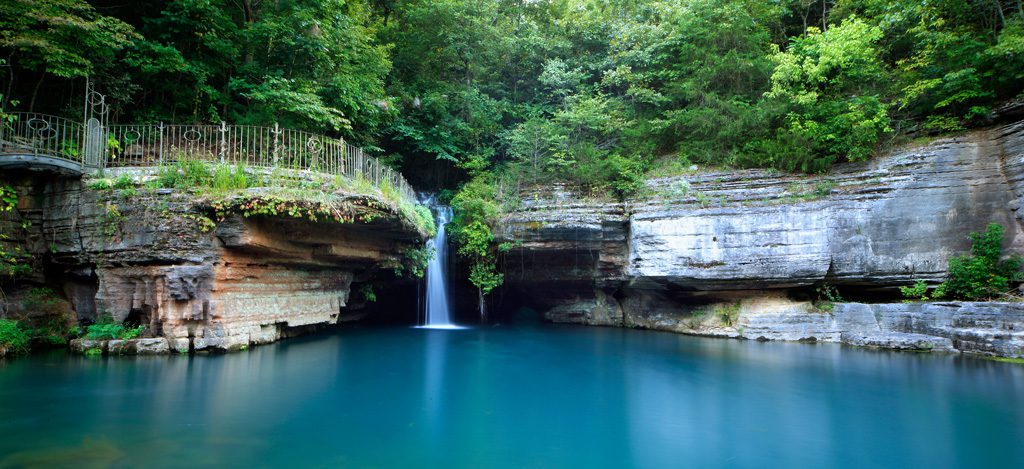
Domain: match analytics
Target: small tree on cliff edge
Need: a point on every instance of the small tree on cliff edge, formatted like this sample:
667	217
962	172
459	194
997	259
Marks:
475	211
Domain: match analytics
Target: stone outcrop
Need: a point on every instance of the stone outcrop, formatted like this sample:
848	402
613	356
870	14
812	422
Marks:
989	328
209	273
717	237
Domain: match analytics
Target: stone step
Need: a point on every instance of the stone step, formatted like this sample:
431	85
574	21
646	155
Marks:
898	341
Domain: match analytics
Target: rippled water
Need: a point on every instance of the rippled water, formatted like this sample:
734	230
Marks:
511	397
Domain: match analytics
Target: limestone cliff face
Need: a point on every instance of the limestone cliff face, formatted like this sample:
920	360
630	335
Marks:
202	274
696	242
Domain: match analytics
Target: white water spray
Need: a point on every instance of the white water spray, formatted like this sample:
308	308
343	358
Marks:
438	315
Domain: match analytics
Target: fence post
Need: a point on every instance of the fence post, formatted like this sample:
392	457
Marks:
160	141
359	163
223	140
277	133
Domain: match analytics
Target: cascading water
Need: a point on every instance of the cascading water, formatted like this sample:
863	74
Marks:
437	315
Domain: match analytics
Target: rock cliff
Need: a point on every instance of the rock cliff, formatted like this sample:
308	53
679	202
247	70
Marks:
209	273
725	240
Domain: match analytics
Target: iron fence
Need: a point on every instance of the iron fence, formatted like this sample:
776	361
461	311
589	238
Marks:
155	145
41	135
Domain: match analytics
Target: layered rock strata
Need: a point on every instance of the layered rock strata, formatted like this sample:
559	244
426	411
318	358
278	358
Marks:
714	237
206	273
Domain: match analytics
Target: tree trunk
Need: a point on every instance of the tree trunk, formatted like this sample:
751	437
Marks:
35	92
10	82
250	18
483	306
824	7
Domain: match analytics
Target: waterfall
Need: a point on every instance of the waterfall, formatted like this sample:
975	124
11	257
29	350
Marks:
438	315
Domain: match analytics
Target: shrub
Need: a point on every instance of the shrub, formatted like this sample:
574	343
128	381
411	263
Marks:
104	331
185	174
728	314
227	177
132	332
13	338
981	274
100	185
828	296
124	182
919	291
107	329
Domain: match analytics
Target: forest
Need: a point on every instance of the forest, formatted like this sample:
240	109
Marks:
477	99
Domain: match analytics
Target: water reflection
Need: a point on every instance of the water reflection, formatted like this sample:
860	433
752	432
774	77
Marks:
513	397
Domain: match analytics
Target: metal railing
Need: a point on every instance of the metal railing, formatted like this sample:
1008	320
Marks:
33	134
97	146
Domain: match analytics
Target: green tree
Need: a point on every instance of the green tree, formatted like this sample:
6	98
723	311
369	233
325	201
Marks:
63	38
476	211
830	82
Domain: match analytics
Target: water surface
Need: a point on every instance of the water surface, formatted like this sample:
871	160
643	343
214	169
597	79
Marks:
537	396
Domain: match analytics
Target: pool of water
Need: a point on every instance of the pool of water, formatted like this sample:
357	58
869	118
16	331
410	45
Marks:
540	396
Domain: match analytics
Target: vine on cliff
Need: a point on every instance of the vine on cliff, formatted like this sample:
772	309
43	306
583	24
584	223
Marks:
14	262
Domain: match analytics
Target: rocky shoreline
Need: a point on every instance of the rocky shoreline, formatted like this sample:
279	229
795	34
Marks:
984	328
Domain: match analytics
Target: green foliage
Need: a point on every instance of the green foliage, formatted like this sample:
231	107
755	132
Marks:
8	198
728	314
13	338
14	262
185	174
124	182
203	223
424	219
476	210
829	81
132	332
416	260
591	92
100	185
918	291
982	274
696	319
366	290
107	329
828	296
227	177
485	277
111	220
824	188
61	37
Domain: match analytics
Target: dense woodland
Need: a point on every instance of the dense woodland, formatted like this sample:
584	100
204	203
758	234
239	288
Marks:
479	97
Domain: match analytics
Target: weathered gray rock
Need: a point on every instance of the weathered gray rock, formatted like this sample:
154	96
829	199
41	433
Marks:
143	346
989	328
899	341
694	243
886	223
179	345
994	328
151	346
84	345
120	347
599	311
206	344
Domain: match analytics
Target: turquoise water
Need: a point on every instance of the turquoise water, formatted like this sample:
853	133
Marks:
536	396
